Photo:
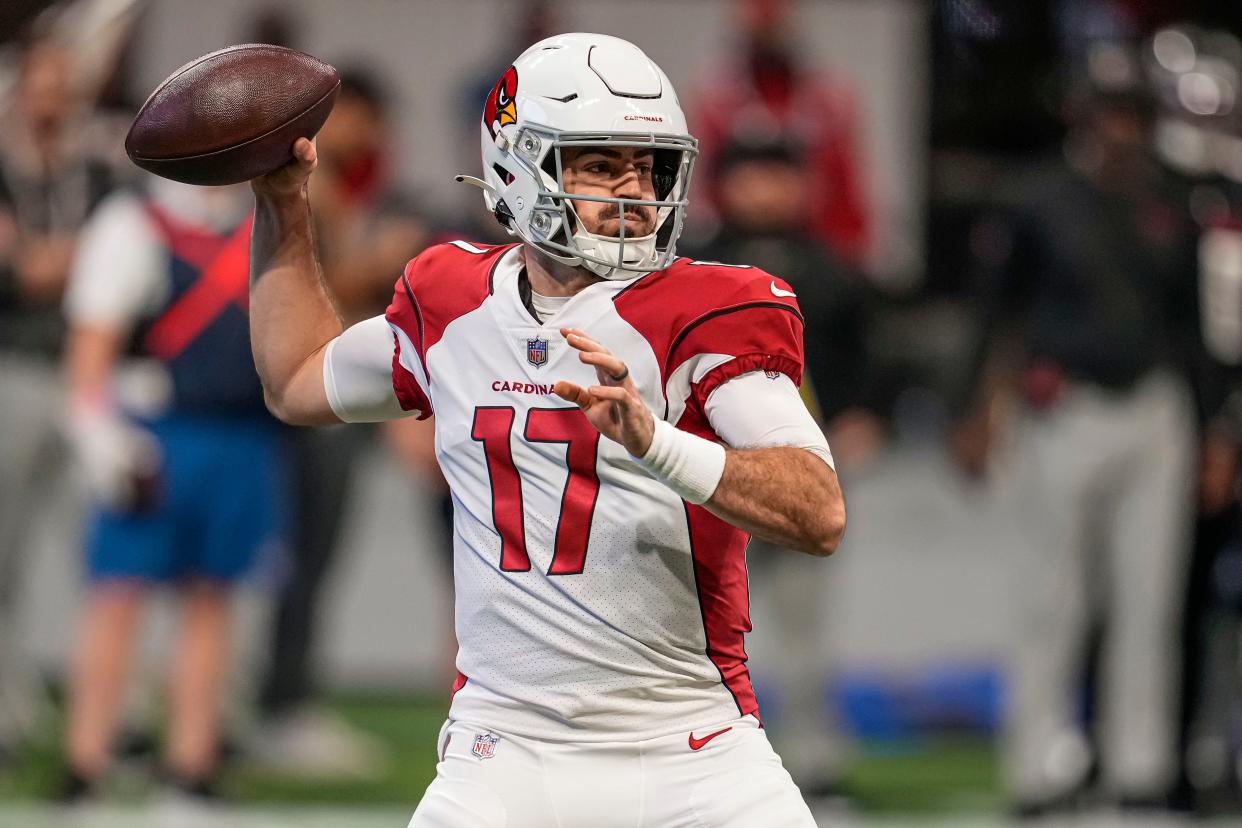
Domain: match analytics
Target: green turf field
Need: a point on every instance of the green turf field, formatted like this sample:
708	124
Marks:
935	775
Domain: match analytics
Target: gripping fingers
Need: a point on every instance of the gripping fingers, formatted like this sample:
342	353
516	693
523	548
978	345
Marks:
592	352
609	392
581	341
584	343
304	150
292	177
613	367
583	397
575	394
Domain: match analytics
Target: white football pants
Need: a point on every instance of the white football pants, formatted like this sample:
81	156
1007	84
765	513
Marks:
486	779
1106	482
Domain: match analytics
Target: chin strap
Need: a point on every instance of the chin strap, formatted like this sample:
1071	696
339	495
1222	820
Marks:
596	245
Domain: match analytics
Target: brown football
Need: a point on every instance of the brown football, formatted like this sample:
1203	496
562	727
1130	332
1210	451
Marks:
232	115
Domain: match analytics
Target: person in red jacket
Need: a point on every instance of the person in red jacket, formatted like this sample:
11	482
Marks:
767	92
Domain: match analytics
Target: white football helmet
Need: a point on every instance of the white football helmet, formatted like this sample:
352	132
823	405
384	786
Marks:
577	90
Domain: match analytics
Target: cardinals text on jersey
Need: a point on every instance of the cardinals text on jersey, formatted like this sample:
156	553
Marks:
592	603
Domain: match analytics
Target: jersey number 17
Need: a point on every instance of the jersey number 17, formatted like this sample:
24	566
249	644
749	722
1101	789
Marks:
493	427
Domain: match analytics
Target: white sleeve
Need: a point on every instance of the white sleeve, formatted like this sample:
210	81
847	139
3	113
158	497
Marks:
357	374
118	271
755	411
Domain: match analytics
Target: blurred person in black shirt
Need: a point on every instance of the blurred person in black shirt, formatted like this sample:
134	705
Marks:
1199	137
1090	340
764	224
1212	708
49	184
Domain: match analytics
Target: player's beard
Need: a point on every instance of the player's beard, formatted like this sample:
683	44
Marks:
639	221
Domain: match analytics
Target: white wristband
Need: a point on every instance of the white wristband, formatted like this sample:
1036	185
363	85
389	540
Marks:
687	464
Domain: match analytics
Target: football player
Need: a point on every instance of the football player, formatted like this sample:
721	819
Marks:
612	421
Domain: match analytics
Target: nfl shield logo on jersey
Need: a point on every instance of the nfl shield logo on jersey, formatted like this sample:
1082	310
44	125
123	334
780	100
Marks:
485	745
536	351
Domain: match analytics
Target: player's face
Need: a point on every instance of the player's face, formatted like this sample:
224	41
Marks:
620	172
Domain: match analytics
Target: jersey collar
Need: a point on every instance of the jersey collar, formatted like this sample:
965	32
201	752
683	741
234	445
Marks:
511	288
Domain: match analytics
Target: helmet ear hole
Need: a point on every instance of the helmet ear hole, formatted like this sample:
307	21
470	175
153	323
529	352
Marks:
665	165
549	166
504	174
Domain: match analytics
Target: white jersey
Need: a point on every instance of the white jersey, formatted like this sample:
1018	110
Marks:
592	603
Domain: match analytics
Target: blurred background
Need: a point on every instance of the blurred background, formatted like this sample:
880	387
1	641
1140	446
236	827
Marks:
1015	228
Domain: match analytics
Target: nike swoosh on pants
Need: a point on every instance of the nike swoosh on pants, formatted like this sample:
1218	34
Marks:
696	744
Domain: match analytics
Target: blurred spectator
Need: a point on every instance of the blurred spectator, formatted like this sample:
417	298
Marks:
103	35
764	188
535	20
413	442
1212	707
763	192
768	93
366	230
185	464
1195	75
48	186
1091	333
366	235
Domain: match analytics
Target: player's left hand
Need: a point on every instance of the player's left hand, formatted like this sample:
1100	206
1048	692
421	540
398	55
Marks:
613	406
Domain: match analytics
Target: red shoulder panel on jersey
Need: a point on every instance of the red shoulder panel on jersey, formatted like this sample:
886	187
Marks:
704	307
439	285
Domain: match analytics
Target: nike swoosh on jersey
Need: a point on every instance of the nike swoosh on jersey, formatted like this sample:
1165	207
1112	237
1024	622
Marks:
697	744
778	292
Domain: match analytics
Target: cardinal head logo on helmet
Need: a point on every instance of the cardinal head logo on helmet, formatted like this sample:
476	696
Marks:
501	107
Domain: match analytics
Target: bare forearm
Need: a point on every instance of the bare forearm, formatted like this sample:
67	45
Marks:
291	317
784	495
